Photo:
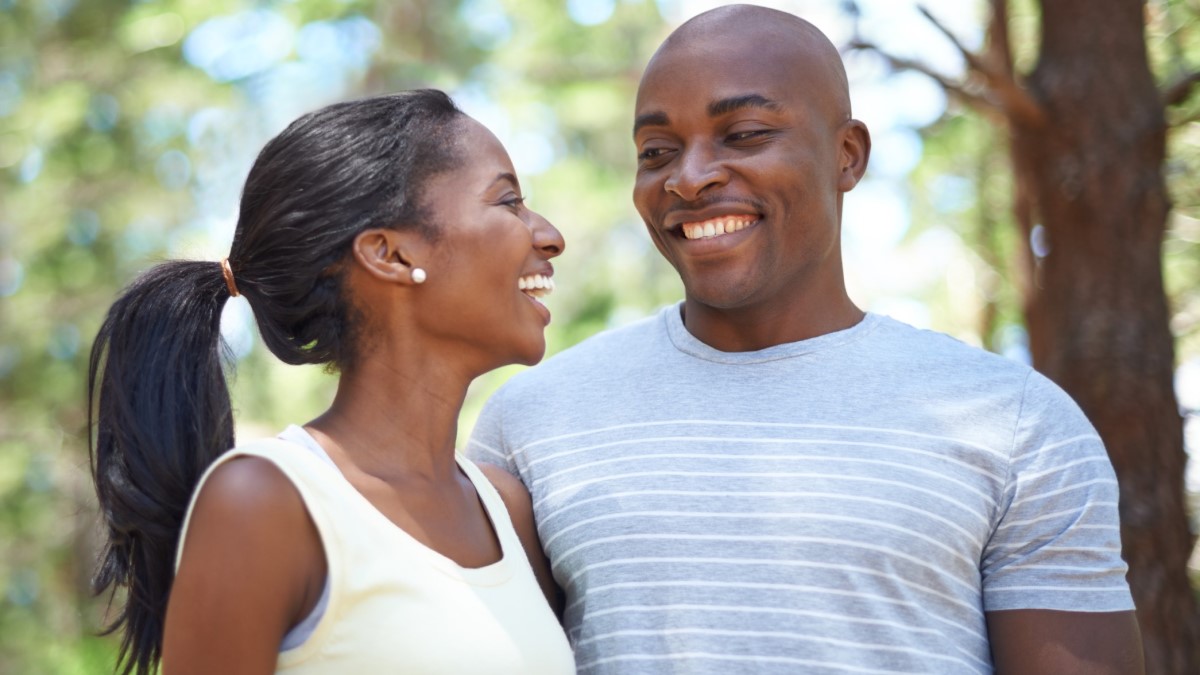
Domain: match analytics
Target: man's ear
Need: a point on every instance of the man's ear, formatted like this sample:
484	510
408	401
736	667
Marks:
389	255
854	154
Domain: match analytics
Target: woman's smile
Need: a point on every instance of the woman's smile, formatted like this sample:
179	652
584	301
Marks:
535	287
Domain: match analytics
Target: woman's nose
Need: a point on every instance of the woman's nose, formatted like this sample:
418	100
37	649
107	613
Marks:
546	238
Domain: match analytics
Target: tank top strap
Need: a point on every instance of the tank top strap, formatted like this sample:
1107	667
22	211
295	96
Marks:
494	503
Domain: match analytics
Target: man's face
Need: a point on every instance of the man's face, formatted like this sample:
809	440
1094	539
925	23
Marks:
741	166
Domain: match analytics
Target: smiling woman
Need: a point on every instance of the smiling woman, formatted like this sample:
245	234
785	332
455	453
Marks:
388	239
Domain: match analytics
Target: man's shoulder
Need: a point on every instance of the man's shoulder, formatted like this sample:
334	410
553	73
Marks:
601	353
944	350
925	365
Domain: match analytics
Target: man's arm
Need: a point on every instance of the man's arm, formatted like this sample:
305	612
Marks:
487	444
1046	642
520	512
1054	581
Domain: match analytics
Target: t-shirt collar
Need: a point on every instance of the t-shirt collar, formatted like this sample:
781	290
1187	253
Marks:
685	342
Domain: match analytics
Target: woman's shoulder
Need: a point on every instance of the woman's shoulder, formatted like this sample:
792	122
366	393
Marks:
248	502
249	482
251	497
250	553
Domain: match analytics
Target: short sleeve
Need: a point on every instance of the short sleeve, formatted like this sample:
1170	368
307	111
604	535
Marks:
486	445
1056	540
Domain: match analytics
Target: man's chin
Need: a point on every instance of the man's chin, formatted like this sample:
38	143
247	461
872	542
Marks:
719	296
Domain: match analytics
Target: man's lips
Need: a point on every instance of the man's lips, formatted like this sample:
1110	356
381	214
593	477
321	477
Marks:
678	217
716	227
710	223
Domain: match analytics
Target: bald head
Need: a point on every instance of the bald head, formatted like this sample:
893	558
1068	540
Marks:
766	36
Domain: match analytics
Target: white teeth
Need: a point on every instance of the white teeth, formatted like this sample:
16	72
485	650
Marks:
536	285
715	227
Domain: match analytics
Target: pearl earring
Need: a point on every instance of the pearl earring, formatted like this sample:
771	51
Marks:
418	275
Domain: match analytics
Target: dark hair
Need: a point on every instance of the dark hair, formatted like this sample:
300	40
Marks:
158	404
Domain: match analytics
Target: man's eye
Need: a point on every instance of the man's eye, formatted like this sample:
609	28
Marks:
747	135
513	201
651	153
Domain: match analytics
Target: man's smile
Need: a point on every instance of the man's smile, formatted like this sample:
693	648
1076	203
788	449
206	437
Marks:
716	227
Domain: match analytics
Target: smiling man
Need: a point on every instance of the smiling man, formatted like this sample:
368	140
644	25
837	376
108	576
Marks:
764	478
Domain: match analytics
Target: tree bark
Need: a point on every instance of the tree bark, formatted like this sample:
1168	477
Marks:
1096	308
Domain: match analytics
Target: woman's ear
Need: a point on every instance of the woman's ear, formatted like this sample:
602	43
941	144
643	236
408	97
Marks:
855	152
390	255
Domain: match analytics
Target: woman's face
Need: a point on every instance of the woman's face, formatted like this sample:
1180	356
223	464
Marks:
491	260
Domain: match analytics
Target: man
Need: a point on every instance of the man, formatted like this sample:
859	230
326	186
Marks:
765	478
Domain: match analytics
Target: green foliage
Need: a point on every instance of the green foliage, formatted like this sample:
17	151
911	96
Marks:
91	101
1174	46
111	143
965	147
964	183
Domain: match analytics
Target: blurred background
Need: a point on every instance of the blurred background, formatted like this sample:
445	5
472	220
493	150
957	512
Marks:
127	127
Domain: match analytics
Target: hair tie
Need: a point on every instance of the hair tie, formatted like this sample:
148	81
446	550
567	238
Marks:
227	272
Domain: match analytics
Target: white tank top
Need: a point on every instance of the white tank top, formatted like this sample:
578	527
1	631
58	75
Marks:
395	605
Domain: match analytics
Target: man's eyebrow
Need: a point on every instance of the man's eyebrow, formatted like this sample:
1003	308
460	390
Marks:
715	109
728	105
650	119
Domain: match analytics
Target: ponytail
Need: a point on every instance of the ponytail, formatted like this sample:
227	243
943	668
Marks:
159	411
157	399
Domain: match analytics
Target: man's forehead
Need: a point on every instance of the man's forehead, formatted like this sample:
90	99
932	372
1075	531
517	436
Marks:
715	84
689	72
721	69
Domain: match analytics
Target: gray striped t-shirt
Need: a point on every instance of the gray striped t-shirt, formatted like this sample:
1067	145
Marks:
853	503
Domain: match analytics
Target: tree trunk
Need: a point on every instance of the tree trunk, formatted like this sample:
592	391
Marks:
1095	305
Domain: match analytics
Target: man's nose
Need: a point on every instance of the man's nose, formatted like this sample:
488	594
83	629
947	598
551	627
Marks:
697	170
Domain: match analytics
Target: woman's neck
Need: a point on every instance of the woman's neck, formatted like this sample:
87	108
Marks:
397	418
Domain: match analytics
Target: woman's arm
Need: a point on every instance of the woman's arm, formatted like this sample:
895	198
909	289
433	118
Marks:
252	567
520	511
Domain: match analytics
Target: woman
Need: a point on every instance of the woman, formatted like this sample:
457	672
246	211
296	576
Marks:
386	238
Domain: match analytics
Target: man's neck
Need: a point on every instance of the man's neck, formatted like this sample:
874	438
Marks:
747	329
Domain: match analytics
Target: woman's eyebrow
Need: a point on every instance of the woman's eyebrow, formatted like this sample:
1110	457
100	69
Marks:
505	176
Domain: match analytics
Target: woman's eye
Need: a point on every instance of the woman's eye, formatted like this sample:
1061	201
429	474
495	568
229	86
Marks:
513	202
